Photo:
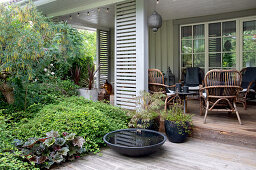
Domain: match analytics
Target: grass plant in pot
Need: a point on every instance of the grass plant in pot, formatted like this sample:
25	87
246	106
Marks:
177	124
90	92
150	107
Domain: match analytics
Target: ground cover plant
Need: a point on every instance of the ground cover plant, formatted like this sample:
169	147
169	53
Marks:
73	115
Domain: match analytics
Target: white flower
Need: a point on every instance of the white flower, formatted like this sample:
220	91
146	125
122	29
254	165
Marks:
52	73
48	74
35	80
51	65
45	69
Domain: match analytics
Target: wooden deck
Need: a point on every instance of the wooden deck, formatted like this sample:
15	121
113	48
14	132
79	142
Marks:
225	128
193	154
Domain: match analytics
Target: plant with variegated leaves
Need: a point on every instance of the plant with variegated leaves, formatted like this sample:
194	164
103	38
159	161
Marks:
53	148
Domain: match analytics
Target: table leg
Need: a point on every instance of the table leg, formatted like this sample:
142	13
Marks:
185	105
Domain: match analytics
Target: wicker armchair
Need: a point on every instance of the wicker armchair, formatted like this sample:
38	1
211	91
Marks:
248	85
156	85
220	92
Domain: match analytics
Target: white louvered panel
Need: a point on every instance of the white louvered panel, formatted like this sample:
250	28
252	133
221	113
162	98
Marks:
126	96
125	55
104	48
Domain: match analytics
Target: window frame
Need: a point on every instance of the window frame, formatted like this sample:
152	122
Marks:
239	41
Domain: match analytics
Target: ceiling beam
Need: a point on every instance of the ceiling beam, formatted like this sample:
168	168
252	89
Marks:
79	22
36	3
84	7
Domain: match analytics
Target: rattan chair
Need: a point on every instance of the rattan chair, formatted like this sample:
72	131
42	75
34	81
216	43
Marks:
156	85
220	92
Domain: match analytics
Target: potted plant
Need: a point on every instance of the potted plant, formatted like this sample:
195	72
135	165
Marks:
148	112
177	124
90	92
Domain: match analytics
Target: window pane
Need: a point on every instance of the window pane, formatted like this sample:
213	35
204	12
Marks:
249	43
199	60
229	60
198	46
198	31
249	59
215	60
186	46
214	29
214	44
186	60
229	28
186	32
229	44
249	27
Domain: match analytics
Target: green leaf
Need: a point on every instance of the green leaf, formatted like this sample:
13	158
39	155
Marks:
63	151
18	142
52	134
49	142
30	142
79	141
60	141
57	158
70	136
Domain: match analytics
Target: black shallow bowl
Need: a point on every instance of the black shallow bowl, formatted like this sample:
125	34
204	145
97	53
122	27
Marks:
134	142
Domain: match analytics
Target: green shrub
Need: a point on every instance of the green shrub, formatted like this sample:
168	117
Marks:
38	95
74	115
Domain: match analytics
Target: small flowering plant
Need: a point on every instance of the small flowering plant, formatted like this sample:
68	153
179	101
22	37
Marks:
53	148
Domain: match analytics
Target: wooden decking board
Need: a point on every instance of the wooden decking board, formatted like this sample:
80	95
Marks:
193	154
224	127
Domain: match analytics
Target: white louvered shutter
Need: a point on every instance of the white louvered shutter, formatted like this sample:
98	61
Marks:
125	54
104	55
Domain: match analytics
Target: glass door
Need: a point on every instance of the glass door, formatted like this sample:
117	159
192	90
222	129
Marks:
249	43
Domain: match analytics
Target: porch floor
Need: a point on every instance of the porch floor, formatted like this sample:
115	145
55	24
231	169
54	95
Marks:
222	127
193	154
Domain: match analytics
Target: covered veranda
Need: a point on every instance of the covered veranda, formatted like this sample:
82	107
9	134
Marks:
192	35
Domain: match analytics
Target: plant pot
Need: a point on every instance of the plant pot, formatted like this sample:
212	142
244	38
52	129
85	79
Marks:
153	124
89	94
175	133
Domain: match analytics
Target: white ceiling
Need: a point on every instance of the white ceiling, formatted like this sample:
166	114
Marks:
169	9
177	9
102	18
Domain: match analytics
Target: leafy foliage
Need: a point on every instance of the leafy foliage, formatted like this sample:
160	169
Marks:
35	49
39	94
9	156
74	115
150	106
176	115
54	148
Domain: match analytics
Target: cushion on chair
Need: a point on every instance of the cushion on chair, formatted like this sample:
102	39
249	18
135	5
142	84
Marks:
204	95
251	90
193	88
192	76
170	92
248	76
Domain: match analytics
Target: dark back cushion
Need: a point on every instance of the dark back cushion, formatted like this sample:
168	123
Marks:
248	76
192	76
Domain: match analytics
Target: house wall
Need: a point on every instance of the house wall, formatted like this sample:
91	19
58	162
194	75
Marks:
164	45
161	47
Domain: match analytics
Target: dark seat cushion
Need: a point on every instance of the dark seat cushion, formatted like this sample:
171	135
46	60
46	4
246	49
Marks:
192	76
248	76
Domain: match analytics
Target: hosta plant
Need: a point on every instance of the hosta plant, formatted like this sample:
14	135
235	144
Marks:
54	148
